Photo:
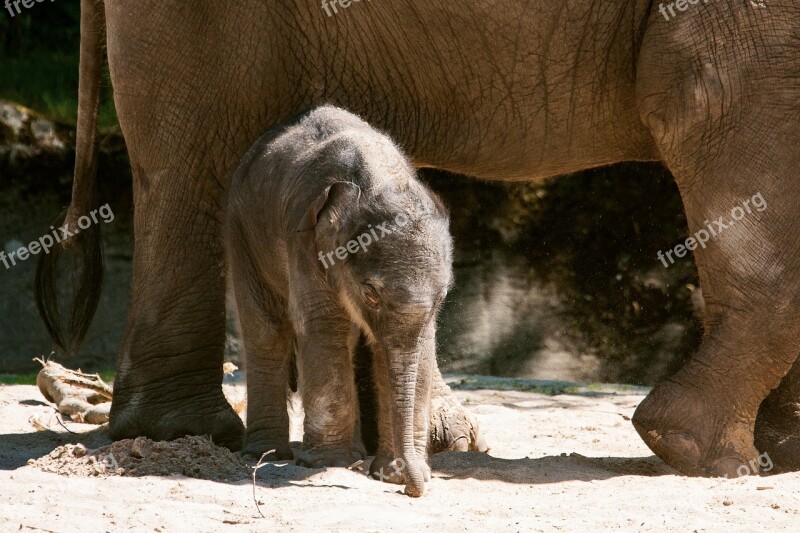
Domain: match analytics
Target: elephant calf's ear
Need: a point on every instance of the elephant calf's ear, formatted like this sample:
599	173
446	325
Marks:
333	201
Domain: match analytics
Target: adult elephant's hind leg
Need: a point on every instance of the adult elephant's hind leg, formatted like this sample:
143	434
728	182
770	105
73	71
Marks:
725	123
169	369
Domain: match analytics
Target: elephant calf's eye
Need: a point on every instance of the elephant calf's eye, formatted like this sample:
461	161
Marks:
371	295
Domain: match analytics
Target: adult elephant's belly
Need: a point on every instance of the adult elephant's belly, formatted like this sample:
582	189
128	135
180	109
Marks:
510	94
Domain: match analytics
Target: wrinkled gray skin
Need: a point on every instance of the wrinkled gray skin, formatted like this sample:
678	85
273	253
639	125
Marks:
512	90
330	236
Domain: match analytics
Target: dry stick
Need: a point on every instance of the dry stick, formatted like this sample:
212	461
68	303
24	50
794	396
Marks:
58	419
35	423
255	469
34	528
43	359
357	466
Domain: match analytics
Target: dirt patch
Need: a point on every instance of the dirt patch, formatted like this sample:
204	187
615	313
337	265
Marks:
195	457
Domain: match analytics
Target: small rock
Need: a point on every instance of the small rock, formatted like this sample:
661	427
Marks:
14	117
137	448
79	450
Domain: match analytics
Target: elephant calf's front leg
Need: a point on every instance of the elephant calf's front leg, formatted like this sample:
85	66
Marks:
327	386
383	467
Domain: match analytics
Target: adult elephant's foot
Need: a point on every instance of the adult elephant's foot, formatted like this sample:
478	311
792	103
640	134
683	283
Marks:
320	458
777	437
141	413
777	434
693	435
451	427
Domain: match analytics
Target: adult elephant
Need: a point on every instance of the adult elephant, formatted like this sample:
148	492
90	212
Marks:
511	90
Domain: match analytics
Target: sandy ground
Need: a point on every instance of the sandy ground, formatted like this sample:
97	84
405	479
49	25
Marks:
567	462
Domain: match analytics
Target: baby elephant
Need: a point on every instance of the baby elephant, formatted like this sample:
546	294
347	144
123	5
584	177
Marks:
331	236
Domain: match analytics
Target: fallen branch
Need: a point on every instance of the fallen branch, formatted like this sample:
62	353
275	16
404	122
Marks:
83	397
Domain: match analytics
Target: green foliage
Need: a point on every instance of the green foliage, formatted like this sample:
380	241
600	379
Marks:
18	379
46	26
39	66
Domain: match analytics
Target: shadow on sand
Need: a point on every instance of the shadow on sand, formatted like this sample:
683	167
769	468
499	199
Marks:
17	449
550	469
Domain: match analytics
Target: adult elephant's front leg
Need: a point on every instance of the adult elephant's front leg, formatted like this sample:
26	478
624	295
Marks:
169	370
722	119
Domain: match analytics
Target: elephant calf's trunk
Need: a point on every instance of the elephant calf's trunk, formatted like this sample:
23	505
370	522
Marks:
412	471
403	379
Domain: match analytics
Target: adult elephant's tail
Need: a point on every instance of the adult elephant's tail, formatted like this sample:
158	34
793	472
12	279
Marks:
84	247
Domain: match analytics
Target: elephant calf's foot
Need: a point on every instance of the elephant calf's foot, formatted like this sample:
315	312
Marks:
692	436
140	415
777	437
254	449
320	458
451	427
389	470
